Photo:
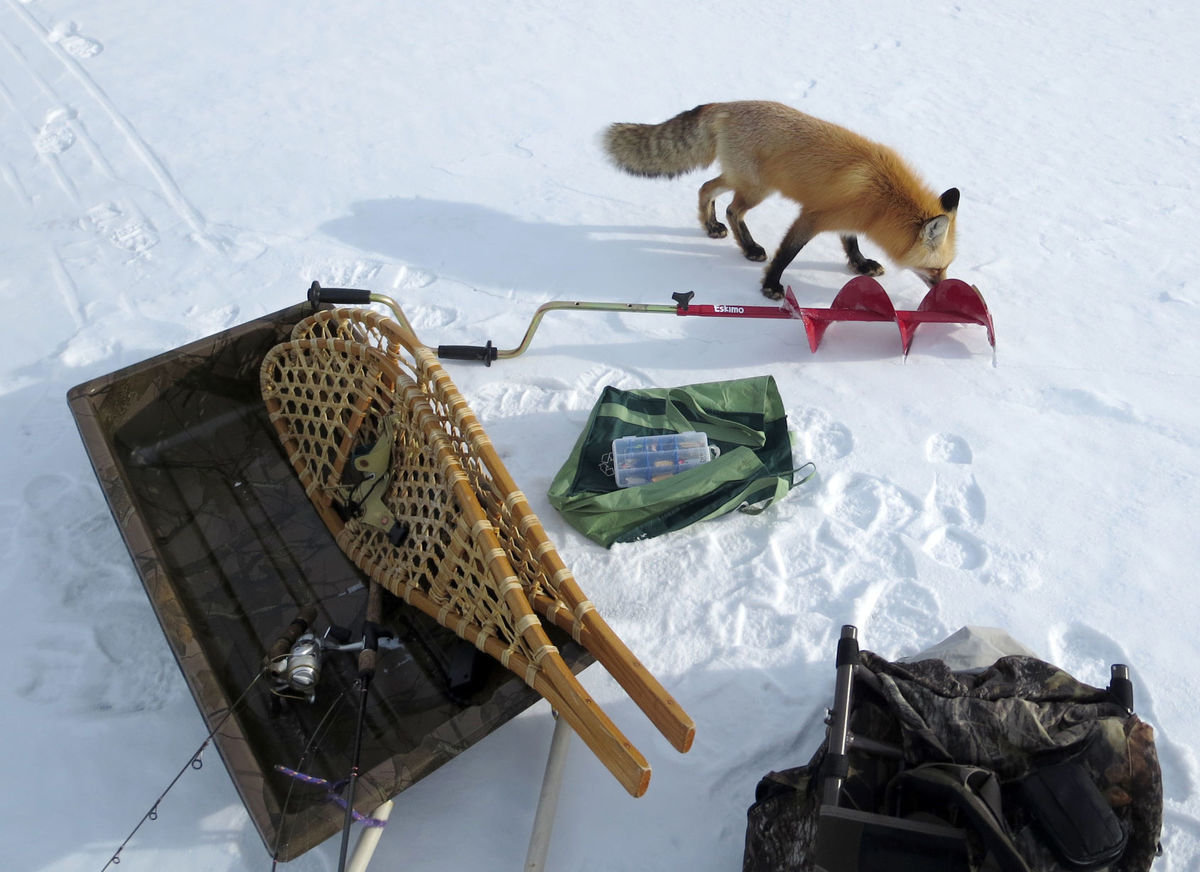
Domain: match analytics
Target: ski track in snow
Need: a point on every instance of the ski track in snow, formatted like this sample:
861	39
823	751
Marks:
69	49
88	155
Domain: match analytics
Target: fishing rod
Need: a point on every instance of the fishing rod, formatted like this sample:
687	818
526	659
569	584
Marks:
294	665
316	735
292	668
281	678
194	762
368	655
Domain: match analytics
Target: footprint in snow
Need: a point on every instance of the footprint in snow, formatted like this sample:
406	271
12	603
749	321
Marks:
868	502
758	625
118	663
73	43
79	552
342	273
410	278
426	319
956	496
106	653
956	504
821	437
957	508
56	134
947	448
1181	839
1085	652
136	237
955	548
127	232
906	614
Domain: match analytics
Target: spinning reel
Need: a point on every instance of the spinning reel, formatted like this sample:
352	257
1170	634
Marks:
293	665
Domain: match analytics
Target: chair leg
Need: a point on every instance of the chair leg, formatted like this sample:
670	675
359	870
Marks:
836	760
543	820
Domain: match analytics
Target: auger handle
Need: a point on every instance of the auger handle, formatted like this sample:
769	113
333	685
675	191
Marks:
356	297
486	353
343	296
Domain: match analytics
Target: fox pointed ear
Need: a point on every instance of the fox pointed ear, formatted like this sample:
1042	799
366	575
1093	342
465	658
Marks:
949	200
933	231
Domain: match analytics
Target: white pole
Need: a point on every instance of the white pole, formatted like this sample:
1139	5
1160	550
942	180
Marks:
368	839
543	821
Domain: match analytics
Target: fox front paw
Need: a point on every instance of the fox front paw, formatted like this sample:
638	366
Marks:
755	252
772	290
868	267
715	229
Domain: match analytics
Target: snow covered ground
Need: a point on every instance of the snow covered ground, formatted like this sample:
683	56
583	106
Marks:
172	169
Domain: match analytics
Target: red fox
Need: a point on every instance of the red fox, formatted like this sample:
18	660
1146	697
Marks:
842	181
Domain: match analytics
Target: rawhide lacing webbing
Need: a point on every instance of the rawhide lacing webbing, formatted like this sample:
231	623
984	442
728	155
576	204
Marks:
549	584
470	558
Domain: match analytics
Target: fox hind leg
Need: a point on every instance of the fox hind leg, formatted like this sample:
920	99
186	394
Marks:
709	192
742	203
860	264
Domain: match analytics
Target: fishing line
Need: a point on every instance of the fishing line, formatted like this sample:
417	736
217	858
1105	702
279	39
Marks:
316	734
193	763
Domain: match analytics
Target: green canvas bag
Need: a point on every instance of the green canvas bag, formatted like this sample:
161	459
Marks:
744	418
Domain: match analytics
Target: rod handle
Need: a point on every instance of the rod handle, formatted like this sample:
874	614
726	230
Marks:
293	631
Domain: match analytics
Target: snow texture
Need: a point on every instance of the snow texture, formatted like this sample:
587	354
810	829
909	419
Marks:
169	170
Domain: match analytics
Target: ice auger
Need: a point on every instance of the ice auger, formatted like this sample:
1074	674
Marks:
950	301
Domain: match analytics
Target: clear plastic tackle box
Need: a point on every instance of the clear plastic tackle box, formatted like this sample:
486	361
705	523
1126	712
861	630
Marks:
643	459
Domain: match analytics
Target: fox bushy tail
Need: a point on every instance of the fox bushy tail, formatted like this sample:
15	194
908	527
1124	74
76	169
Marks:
676	146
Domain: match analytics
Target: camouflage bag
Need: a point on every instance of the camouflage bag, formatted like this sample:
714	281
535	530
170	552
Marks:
1039	771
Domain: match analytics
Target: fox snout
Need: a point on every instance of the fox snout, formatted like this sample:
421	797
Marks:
930	275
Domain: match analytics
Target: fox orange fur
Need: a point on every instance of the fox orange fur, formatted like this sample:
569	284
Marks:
843	182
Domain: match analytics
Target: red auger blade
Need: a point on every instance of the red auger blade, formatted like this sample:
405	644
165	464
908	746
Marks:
860	299
950	301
